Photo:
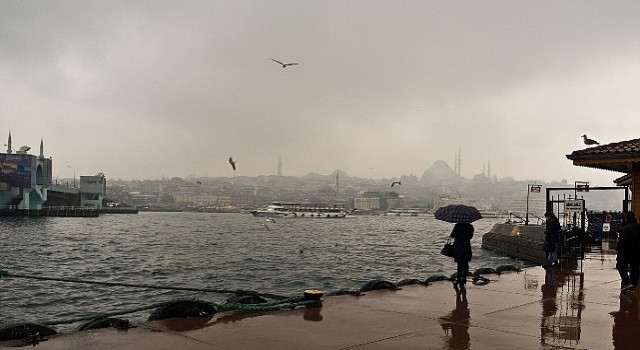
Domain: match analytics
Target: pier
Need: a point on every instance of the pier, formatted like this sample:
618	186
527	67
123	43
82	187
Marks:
66	211
61	211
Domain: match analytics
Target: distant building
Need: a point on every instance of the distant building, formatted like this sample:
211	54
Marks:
93	189
375	200
366	203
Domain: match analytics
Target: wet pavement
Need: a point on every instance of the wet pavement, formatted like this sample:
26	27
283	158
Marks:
576	306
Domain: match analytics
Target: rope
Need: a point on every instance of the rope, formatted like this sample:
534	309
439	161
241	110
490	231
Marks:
4	273
101	315
279	302
289	303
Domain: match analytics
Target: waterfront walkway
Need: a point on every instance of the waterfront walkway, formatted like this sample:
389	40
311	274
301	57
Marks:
577	306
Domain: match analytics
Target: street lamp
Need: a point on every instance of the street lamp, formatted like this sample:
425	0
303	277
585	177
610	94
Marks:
530	188
74	175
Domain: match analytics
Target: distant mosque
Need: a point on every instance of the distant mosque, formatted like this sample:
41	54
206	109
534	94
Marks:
26	182
457	162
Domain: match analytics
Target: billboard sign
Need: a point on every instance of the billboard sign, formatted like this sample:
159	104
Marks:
18	170
574	205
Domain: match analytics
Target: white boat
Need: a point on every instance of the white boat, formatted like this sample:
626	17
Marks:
403	212
301	210
487	213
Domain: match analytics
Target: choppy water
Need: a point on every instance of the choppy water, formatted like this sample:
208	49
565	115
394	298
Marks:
217	251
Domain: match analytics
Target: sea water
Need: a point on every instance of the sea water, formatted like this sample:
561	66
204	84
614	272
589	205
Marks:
211	251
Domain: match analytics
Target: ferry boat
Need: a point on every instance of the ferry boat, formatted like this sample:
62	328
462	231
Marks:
301	210
403	212
488	213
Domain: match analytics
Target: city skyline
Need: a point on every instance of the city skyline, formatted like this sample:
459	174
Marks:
145	89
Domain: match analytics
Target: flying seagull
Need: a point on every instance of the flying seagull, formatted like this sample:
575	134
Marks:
589	142
270	220
233	163
284	65
396	183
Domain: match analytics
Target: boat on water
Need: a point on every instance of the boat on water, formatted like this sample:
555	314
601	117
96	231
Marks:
403	212
487	213
301	210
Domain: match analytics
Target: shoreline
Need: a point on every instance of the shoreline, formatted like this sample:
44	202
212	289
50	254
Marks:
578	305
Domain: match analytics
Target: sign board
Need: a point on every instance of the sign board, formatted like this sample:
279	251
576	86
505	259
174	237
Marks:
606	227
582	188
535	188
574	205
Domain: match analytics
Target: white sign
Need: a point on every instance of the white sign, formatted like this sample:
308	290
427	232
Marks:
606	227
574	205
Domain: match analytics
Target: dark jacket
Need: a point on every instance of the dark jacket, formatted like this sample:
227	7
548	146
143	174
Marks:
551	234
462	234
628	246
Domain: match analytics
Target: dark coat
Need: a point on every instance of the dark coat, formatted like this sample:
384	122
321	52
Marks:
628	246
462	234
551	235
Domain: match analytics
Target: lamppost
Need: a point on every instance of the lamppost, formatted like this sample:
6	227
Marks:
74	174
530	188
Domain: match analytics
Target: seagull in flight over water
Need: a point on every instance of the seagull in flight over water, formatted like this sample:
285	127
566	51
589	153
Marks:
589	142
284	65
233	163
396	183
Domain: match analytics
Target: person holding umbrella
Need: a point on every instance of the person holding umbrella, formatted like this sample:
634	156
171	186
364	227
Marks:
462	216
462	233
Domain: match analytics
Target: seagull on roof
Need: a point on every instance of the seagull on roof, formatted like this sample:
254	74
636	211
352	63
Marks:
588	141
396	183
233	163
284	65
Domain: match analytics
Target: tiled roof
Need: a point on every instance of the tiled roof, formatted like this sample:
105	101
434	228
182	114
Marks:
618	156
631	146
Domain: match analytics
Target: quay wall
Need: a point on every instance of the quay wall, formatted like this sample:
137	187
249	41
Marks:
519	241
118	210
53	211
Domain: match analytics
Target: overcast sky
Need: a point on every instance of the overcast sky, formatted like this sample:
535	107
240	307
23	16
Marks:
146	89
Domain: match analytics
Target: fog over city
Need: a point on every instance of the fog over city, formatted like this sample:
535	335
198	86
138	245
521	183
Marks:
152	89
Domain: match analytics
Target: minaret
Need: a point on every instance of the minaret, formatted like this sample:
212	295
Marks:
459	161
489	168
280	165
484	173
9	151
41	150
455	162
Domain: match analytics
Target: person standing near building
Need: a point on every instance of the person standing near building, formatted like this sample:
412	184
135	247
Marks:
551	239
628	251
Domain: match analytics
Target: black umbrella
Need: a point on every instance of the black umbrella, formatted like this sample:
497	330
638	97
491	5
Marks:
456	213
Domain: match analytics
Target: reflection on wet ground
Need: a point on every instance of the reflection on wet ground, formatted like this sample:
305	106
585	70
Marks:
456	323
562	304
